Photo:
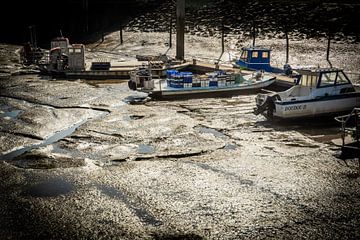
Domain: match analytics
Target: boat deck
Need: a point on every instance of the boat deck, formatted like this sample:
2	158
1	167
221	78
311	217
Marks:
162	91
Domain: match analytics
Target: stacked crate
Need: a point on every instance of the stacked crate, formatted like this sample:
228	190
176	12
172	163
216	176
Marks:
177	79
156	65
187	78
213	80
196	82
205	82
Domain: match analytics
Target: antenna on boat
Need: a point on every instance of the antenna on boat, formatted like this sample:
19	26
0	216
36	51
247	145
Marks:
61	35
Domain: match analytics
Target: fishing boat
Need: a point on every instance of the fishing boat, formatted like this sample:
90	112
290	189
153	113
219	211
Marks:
186	85
317	92
68	61
258	58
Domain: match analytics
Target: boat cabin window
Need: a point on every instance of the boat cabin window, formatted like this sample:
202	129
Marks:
255	54
265	55
328	79
341	79
77	50
308	80
244	55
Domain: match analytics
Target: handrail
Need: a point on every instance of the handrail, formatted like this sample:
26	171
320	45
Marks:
348	116
354	112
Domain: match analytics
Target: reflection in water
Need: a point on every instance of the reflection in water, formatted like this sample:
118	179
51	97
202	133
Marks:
145	149
50	188
54	138
11	114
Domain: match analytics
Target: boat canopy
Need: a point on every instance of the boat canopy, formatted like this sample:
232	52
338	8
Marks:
321	77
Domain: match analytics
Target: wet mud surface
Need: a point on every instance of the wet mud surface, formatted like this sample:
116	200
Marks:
96	167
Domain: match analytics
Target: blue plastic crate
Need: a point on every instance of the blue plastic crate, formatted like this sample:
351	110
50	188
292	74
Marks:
170	73
213	83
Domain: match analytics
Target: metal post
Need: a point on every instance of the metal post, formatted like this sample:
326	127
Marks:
121	35
287	46
222	38
31	36
170	31
180	29
254	33
328	50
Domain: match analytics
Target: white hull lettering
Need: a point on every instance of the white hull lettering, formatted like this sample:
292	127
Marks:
295	108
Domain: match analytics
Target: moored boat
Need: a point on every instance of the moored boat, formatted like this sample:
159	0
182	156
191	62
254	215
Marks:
317	92
258	58
68	61
185	85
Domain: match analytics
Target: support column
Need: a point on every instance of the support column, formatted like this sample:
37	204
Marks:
180	29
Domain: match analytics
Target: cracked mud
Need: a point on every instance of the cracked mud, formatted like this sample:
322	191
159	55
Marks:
81	163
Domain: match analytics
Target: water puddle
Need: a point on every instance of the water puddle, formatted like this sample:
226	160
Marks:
145	149
11	114
140	212
230	146
50	188
215	132
136	99
7	111
54	138
136	117
133	117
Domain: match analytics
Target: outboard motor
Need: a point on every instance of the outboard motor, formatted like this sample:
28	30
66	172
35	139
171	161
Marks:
132	85
287	69
265	104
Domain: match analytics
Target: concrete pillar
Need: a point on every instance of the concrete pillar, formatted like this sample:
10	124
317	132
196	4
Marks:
180	29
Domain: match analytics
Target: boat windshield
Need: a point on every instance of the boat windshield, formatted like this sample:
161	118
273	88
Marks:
342	79
333	78
328	79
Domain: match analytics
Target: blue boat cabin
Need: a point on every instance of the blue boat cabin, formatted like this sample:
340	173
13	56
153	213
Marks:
255	58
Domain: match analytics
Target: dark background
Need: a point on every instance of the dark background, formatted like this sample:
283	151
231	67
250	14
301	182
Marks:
312	18
69	16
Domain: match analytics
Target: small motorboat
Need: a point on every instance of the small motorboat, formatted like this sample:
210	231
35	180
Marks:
258	58
185	85
317	92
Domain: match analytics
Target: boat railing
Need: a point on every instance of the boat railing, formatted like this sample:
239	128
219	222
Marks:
350	124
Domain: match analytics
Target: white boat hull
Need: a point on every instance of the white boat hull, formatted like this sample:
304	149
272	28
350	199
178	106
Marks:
168	93
317	107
